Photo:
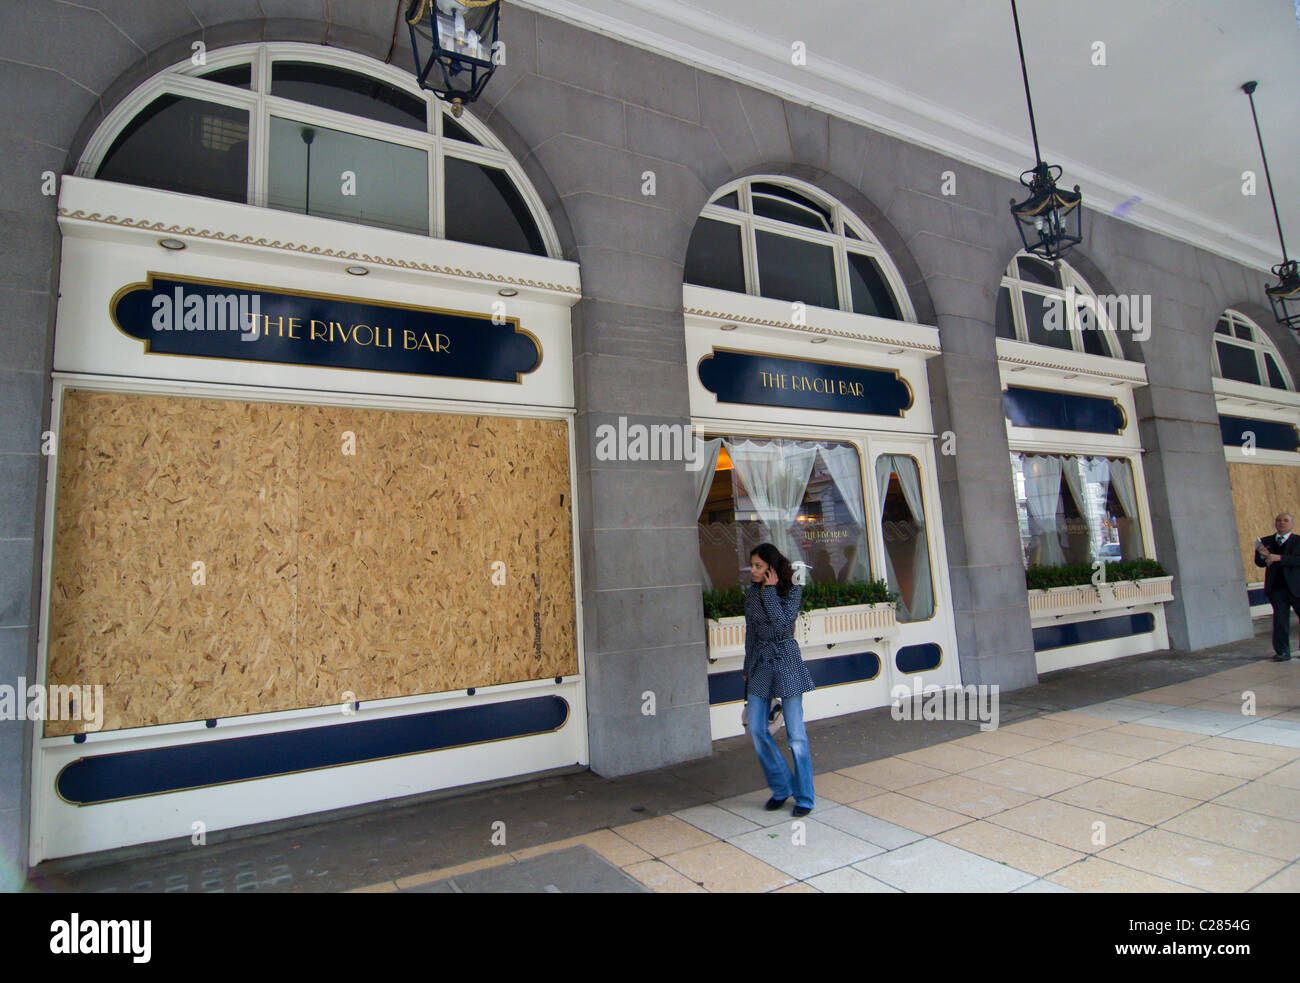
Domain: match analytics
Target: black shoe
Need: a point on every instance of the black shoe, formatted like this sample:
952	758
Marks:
801	811
1283	657
774	803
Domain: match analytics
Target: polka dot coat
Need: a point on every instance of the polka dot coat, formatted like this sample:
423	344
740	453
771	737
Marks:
772	661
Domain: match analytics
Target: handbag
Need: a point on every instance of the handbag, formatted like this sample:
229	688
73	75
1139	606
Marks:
775	713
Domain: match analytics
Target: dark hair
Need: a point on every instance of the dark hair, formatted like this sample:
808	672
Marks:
773	557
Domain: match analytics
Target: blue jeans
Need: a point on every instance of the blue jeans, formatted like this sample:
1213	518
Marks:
779	779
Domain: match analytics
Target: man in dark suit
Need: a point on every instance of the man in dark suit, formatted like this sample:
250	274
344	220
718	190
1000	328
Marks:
1280	556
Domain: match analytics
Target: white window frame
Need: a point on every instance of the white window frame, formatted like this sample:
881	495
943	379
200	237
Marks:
1259	344
181	79
841	244
1018	287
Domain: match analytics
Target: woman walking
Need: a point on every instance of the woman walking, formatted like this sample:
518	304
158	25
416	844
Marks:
775	670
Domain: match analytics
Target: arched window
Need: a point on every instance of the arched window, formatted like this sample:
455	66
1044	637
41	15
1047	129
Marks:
1050	304
783	239
322	132
1244	353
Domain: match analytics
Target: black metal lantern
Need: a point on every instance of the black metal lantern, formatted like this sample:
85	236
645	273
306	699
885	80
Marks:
453	42
1284	296
1050	220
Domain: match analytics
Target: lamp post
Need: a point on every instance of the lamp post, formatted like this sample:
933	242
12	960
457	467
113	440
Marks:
1050	220
1284	296
453	42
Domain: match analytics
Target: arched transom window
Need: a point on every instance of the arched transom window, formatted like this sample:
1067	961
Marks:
1244	353
322	132
1050	304
783	239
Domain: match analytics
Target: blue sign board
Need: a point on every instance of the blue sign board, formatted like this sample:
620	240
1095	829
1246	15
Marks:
176	315
769	380
1049	410
1240	431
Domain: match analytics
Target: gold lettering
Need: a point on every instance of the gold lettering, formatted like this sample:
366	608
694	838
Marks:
322	336
294	323
356	334
444	343
408	338
342	331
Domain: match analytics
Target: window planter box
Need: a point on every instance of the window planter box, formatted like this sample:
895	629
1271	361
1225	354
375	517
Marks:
1056	602
825	626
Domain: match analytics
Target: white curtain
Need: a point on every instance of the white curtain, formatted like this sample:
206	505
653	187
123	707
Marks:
1074	482
776	478
909	478
882	481
1096	471
1043	494
703	482
1121	477
842	463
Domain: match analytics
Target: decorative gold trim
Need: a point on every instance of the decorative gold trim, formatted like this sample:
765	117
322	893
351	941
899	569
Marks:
1011	360
911	395
568	714
811	329
286	291
401	264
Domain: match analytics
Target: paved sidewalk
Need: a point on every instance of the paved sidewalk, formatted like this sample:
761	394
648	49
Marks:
1139	775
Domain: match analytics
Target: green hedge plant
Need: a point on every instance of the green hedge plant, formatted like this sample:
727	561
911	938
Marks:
1076	574
730	602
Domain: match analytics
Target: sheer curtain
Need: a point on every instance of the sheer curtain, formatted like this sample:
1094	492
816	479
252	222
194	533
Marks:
845	471
909	478
1043	494
1121	477
883	471
776	477
1070	468
704	481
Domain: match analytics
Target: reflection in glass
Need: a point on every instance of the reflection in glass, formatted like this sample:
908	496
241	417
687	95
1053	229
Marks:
1237	363
206	149
1074	509
871	295
713	257
804	497
791	269
902	523
389	188
347	92
1038	309
485	208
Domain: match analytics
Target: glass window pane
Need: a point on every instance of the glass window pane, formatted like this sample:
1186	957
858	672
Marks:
240	76
713	258
1045	321
347	92
391	188
1237	363
1036	271
790	269
485	208
1223	327
207	149
871	294
830	528
1090	330
1006	328
1243	331
452	130
1039	491
902	524
1275	378
849	233
730	200
775	202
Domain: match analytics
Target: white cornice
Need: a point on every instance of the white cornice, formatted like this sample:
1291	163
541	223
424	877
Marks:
741	54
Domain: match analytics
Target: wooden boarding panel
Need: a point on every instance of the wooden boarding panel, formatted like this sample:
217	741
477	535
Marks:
214	558
1260	492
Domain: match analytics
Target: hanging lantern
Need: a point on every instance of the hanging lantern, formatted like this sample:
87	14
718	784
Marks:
1050	221
1284	296
453	42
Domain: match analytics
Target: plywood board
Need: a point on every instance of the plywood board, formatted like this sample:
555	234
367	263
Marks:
343	551
1259	493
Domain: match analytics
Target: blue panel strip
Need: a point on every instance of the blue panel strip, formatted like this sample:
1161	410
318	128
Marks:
918	658
1048	410
134	773
1079	632
1256	596
1268	434
729	687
